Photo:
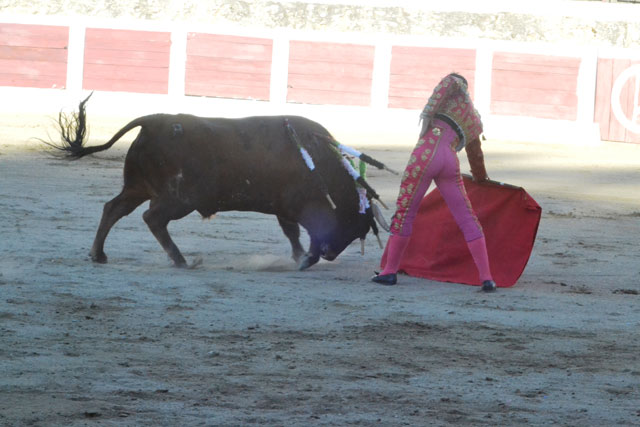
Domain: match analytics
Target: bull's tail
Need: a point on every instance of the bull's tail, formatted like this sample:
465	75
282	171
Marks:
73	133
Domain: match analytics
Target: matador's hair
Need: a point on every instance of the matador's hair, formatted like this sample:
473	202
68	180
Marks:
460	76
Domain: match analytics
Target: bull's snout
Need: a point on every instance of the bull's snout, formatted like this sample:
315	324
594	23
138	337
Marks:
327	253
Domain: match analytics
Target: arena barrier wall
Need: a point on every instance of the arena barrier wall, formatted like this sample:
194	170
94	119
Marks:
525	91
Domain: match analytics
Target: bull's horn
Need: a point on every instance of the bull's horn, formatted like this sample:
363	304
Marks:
379	241
382	203
362	246
377	214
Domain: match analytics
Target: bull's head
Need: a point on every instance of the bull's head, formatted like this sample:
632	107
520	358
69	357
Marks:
357	228
339	228
352	214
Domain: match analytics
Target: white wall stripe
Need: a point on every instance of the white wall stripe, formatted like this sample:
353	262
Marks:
586	89
482	92
381	76
177	63
75	60
279	70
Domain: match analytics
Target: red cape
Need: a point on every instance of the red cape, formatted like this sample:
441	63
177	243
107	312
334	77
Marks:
437	249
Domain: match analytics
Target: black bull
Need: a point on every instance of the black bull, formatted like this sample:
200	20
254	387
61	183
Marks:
183	163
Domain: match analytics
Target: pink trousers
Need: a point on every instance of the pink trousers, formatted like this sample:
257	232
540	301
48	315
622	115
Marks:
435	160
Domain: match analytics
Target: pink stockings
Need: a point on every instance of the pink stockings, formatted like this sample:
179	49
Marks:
395	248
478	249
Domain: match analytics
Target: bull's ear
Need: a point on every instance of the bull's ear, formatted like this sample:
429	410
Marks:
377	214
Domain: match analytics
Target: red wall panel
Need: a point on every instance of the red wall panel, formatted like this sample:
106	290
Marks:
228	66
126	60
534	85
415	71
609	70
330	73
33	55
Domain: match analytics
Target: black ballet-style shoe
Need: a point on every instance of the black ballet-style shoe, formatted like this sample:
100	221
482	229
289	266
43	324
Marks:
489	286
385	279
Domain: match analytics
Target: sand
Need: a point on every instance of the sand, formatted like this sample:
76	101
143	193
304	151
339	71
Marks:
246	339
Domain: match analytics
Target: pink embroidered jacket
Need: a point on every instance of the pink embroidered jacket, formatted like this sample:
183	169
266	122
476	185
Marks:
450	100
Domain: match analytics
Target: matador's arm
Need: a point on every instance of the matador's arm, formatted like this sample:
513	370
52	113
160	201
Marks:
476	160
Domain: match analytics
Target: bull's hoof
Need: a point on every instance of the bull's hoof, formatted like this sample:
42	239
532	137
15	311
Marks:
178	260
195	264
181	264
297	256
307	261
100	258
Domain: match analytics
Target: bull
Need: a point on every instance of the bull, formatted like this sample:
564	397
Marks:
184	163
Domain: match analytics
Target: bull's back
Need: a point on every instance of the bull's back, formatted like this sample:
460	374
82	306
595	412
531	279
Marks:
232	164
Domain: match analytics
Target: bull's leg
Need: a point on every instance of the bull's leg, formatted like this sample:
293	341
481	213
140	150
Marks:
157	218
292	231
121	205
311	257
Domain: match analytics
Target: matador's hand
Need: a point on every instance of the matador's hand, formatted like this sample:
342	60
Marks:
480	180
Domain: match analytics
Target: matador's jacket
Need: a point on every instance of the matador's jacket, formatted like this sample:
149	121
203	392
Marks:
449	106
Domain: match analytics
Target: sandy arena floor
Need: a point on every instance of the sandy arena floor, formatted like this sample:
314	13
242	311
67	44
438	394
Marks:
247	339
